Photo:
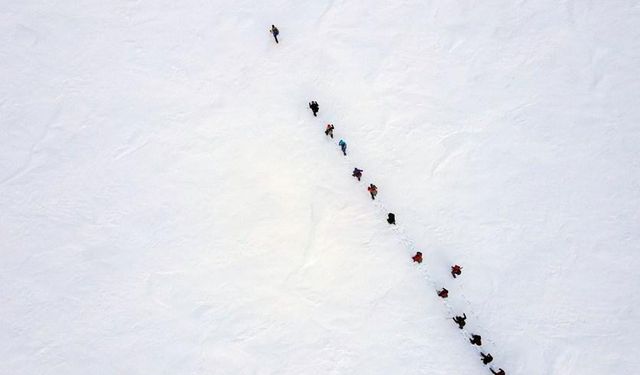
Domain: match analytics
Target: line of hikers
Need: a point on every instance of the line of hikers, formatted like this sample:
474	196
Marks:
477	340
456	270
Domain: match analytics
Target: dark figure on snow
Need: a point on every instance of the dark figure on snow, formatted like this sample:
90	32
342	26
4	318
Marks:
343	146
444	293
275	32
329	130
486	358
357	173
391	219
460	320
417	258
476	340
456	271
314	107
373	190
500	372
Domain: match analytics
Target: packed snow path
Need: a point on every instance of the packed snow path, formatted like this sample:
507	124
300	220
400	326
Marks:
409	244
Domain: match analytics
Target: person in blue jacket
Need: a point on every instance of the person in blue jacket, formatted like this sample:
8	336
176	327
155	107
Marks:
343	146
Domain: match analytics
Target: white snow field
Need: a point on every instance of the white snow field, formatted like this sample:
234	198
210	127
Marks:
169	204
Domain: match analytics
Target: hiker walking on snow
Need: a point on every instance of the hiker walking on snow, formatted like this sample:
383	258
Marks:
329	130
314	107
391	219
373	190
357	173
500	372
444	293
343	147
275	32
476	340
456	270
460	320
486	358
417	258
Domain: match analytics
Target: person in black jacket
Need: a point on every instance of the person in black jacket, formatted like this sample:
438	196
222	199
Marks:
357	173
314	107
275	32
486	358
476	340
500	372
460	320
391	219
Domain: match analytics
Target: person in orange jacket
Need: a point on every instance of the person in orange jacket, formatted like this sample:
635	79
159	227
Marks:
417	258
444	293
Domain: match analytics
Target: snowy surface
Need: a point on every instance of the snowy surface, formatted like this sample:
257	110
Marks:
169	205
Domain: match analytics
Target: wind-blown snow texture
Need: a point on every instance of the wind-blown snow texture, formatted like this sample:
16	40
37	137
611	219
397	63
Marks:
169	205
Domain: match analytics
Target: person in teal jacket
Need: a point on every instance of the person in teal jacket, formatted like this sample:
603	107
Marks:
343	146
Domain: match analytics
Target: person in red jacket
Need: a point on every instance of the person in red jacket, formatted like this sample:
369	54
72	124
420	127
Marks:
417	258
456	270
329	130
500	372
373	190
444	293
